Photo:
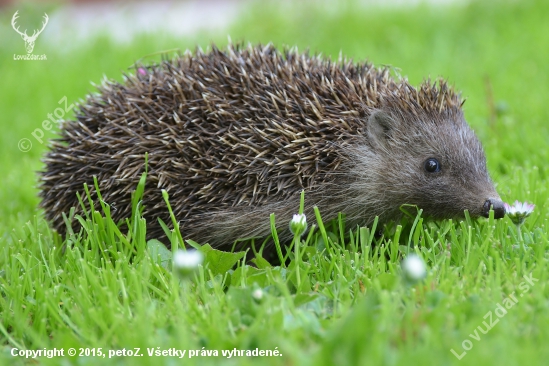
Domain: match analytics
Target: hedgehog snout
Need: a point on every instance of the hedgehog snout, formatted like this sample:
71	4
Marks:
496	205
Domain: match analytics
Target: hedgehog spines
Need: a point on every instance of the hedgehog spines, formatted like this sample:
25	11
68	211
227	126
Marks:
225	131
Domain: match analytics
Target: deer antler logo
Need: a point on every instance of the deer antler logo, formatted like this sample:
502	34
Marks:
29	40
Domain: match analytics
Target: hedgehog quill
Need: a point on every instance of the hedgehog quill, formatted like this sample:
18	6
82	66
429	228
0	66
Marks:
234	135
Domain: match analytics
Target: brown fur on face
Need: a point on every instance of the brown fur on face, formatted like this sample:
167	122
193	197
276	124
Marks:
236	135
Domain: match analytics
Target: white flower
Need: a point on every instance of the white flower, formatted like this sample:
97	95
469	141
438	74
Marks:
298	225
413	268
257	294
187	261
519	211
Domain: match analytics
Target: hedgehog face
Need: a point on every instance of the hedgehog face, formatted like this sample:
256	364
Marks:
434	162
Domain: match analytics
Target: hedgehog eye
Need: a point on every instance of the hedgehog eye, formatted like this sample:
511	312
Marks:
432	165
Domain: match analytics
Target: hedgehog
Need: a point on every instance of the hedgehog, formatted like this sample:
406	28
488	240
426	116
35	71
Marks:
236	134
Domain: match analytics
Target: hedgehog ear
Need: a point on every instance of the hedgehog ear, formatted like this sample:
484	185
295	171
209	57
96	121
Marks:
379	127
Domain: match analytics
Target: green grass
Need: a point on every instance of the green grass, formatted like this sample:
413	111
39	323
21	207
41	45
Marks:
341	300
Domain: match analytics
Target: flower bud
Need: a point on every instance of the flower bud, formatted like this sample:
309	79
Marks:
298	225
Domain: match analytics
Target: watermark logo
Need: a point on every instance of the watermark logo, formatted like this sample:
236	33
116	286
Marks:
25	144
500	311
29	40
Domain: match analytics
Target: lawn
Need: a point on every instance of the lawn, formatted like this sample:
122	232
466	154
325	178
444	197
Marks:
484	299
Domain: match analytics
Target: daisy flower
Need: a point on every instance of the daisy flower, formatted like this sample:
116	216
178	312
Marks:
519	211
186	262
413	268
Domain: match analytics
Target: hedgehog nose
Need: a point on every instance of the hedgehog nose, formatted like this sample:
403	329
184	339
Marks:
496	205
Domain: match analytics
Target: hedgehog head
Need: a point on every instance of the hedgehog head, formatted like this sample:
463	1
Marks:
426	157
